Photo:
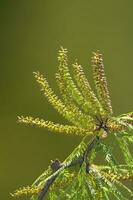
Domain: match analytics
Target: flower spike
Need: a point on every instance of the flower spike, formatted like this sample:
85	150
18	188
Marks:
101	83
58	128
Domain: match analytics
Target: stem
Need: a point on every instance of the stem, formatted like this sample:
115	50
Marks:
78	161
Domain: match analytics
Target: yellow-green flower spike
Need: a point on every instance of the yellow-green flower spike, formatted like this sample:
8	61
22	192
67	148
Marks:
29	190
101	83
58	128
85	88
64	80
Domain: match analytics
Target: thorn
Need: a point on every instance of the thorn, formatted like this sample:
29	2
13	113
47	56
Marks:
55	165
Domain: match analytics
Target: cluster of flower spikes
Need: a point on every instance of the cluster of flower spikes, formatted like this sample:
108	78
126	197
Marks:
89	114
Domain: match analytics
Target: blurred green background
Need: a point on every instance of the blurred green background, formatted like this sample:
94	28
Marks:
31	34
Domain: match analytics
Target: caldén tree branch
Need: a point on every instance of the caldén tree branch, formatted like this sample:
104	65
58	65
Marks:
61	166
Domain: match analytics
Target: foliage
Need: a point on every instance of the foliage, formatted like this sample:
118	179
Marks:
91	117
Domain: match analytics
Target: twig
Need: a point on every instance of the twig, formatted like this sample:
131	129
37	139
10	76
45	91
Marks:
79	160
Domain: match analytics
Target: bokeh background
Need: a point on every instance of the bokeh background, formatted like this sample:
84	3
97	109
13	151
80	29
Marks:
31	34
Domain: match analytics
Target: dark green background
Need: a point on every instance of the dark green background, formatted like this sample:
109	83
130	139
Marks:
31	34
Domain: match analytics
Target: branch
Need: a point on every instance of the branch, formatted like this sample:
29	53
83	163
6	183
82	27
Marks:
61	166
